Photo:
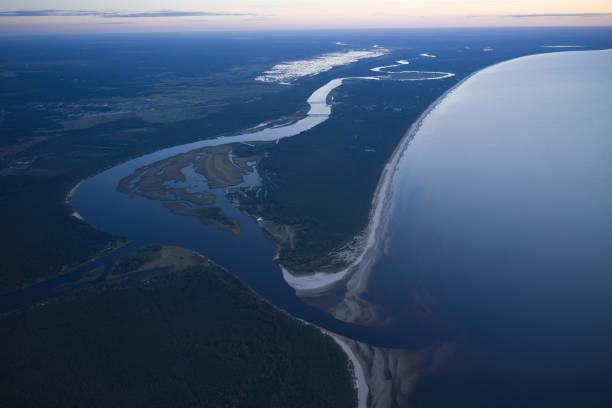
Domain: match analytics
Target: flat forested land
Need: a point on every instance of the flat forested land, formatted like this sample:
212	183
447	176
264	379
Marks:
207	216
66	115
321	182
177	336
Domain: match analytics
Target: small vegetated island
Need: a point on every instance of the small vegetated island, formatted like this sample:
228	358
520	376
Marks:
181	183
167	327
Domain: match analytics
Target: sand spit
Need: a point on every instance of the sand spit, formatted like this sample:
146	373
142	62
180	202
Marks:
369	245
359	252
386	377
68	200
314	283
389	376
361	383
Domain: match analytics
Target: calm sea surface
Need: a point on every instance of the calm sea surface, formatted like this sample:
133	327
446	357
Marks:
502	217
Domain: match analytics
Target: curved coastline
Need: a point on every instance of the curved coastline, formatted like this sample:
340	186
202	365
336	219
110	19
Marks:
319	282
361	383
370	245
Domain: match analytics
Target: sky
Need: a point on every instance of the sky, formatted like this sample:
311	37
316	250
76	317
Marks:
90	16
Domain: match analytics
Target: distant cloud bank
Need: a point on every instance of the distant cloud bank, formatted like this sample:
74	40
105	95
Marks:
115	14
541	15
559	15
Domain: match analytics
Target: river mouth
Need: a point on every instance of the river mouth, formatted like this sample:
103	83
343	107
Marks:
99	203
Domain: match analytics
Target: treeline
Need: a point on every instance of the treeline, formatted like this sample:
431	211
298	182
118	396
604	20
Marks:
198	337
322	181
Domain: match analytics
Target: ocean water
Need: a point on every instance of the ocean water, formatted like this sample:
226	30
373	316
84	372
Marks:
502	220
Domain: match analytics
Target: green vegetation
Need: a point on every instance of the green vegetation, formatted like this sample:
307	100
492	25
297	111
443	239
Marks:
155	182
320	183
215	165
87	278
136	260
207	216
158	181
66	115
192	335
243	162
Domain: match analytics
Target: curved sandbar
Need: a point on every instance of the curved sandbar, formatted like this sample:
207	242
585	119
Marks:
359	253
361	383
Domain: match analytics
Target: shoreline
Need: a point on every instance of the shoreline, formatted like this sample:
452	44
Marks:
314	284
386	377
68	200
319	282
361	384
353	308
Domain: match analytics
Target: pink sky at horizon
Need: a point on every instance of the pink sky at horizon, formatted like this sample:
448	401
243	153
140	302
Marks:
291	15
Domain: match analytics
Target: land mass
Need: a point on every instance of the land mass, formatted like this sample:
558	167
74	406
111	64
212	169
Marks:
65	116
168	327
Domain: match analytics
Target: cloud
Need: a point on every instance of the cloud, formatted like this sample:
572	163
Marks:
540	15
114	14
48	13
559	15
171	13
